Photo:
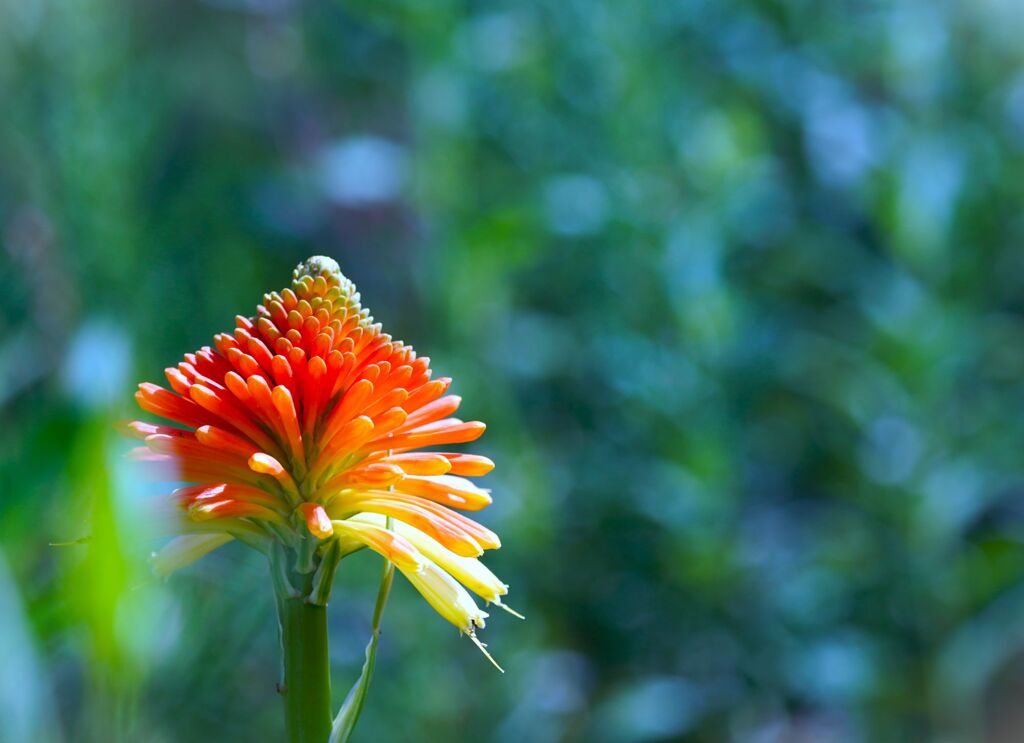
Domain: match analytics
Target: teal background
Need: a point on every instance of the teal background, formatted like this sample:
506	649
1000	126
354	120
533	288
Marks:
737	286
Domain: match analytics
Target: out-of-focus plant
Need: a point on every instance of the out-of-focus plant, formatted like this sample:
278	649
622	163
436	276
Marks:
301	435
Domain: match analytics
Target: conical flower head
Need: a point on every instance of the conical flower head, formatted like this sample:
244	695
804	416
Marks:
307	423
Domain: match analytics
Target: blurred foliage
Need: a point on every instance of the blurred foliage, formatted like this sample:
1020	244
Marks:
738	287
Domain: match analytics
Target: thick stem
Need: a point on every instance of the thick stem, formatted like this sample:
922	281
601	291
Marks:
307	681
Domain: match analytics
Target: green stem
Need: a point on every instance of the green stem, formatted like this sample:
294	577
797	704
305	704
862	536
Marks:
306	686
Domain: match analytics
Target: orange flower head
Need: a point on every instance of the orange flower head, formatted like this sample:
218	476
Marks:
303	429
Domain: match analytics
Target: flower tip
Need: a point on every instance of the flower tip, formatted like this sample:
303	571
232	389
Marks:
135	429
265	464
317	520
318	265
476	429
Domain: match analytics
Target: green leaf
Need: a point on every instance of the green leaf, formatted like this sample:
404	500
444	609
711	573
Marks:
348	715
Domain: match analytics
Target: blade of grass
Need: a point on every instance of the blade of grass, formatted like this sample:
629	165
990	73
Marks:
347	717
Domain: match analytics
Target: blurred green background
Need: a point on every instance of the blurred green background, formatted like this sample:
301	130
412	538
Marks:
737	286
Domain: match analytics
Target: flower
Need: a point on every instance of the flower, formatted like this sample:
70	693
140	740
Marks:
303	430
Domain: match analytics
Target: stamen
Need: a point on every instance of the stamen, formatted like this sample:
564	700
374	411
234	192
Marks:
509	609
483	648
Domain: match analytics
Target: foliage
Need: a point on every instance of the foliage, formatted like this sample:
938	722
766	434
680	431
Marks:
736	285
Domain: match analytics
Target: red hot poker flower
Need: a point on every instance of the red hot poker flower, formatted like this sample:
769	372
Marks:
301	434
